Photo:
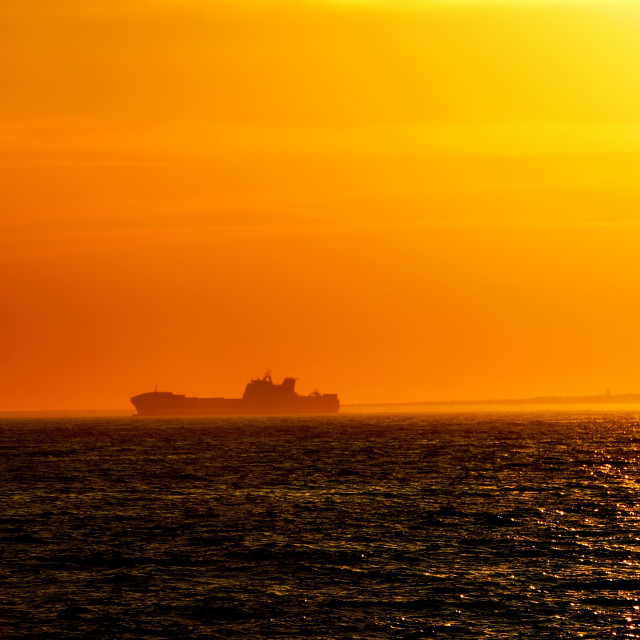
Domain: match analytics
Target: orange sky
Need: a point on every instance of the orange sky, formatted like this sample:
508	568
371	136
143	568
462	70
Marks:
395	201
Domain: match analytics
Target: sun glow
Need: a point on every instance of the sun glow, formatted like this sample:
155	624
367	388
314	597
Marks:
396	201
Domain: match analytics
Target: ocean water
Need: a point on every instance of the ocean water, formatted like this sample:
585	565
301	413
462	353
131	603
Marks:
356	526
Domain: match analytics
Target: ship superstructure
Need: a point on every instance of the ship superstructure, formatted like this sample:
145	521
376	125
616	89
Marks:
261	397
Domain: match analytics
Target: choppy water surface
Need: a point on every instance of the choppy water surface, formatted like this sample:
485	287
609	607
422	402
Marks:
457	526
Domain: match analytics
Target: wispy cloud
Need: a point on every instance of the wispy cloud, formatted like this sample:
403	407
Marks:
85	142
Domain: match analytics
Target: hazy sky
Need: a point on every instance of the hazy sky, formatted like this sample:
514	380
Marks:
405	200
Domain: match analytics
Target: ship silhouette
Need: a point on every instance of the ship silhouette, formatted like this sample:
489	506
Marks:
261	397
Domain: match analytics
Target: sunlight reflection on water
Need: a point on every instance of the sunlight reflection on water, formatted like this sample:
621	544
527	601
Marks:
458	525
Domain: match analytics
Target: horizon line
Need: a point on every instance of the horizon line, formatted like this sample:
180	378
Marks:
602	398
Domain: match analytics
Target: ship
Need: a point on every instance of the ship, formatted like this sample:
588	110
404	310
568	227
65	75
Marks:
261	397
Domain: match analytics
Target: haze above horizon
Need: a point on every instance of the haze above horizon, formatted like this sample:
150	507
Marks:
418	199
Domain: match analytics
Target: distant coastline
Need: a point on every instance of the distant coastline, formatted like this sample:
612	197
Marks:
537	401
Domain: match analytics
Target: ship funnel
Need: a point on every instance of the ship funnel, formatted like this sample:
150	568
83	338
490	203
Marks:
288	385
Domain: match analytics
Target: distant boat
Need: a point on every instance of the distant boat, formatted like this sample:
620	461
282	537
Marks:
261	397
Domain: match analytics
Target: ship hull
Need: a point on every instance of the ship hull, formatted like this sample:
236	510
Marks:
168	404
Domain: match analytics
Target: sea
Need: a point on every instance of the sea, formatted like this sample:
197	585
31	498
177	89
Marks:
456	525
